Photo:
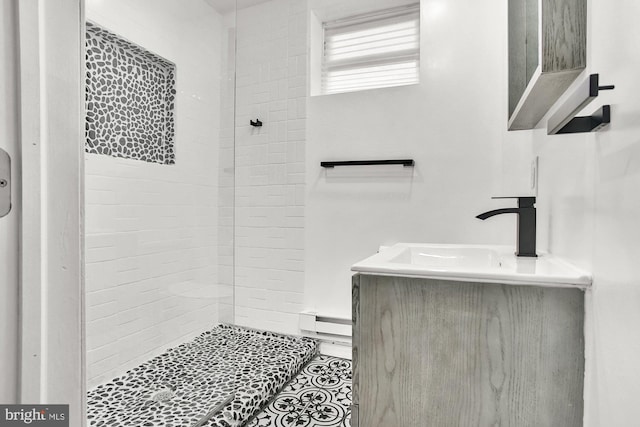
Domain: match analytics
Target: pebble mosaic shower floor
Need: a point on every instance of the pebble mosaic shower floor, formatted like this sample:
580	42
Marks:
180	387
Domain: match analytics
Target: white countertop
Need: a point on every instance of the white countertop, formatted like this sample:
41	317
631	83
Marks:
473	263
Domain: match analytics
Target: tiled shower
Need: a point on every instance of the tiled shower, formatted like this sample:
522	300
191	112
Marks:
154	108
195	218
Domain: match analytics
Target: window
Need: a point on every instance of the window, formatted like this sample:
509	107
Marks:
375	50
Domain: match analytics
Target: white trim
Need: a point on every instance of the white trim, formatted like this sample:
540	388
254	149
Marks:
31	347
52	267
372	16
336	350
334	333
337	327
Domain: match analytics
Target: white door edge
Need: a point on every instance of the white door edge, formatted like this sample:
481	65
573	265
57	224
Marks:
10	194
52	355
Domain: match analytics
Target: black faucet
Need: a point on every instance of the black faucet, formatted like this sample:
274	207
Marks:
526	223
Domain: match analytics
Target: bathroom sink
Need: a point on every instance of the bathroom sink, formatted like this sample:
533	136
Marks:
439	257
476	263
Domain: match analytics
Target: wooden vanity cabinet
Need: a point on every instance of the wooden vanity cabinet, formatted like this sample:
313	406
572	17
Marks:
444	354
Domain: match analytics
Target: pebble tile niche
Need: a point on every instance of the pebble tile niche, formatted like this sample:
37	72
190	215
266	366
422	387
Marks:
130	99
182	386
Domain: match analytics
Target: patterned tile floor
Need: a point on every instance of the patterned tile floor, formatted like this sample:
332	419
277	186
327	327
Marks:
319	396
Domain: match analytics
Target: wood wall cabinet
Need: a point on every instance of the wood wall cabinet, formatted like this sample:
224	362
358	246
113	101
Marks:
547	51
443	353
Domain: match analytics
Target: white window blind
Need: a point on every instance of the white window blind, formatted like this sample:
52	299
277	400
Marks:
370	51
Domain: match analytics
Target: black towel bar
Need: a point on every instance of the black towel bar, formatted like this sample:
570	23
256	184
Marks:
403	162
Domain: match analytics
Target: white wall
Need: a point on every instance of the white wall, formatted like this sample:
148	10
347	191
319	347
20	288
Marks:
590	210
269	217
152	229
453	124
9	225
298	227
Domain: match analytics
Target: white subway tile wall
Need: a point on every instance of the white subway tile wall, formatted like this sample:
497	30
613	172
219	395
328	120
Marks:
272	86
152	230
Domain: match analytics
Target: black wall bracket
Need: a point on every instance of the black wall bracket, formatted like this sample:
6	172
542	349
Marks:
592	123
255	124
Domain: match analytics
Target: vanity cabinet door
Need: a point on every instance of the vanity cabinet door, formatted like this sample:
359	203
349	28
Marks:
443	353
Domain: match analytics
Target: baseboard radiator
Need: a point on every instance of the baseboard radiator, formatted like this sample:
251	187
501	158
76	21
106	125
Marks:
336	330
